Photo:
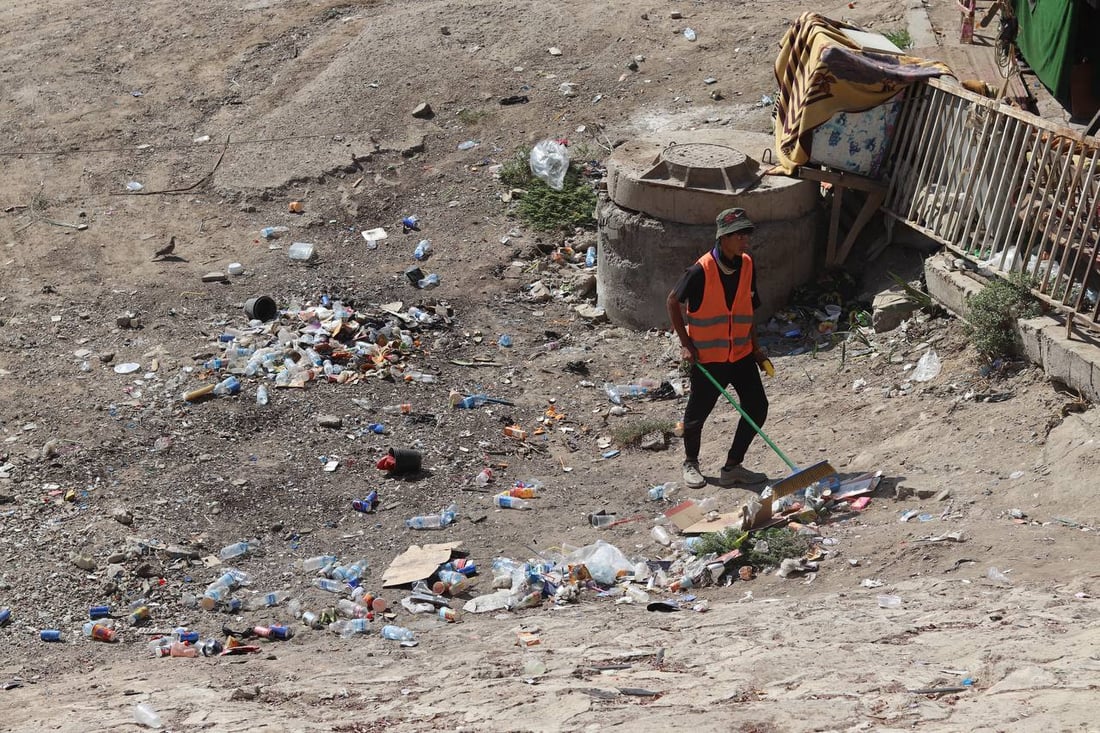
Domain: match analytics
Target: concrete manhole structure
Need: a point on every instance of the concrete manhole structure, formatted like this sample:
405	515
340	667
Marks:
657	216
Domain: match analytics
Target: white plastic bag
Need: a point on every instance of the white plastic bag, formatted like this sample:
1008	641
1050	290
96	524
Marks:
549	161
928	367
603	560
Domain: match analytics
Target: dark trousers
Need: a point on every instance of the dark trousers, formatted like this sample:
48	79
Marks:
744	376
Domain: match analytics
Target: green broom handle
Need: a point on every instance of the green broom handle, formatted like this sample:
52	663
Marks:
748	419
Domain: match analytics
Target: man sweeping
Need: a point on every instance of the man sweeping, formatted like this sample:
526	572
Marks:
711	310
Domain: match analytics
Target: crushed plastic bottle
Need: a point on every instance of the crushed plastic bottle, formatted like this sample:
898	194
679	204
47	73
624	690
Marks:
228	386
397	633
350	627
506	501
273	232
429	282
267	600
237	549
423	250
262	397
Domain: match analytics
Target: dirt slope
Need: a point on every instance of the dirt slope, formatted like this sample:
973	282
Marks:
315	101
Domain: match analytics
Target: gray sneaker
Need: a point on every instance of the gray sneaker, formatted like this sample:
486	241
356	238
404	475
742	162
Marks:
740	476
692	477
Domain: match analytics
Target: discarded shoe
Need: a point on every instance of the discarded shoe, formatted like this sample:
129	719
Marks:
692	477
739	475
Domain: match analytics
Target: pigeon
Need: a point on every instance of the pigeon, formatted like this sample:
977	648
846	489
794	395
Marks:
166	249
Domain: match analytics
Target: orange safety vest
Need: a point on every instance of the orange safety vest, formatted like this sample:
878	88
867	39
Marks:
722	334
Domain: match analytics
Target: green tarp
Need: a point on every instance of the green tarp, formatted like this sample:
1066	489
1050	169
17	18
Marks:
1047	39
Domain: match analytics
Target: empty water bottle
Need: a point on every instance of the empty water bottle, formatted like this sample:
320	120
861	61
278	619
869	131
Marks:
350	572
351	609
504	501
429	282
426	521
348	627
332	586
484	477
237	549
273	232
397	633
267	600
228	386
423	250
590	257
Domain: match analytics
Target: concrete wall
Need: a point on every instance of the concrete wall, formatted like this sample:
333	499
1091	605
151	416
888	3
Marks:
1076	361
642	258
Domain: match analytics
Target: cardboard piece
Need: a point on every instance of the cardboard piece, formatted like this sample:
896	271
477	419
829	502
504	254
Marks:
418	563
717	524
684	514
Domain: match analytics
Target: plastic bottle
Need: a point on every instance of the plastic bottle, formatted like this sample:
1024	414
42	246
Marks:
451	582
267	600
429	282
139	613
662	491
403	409
228	386
617	392
237	549
423	250
505	340
332	586
504	501
145	715
590	257
426	521
350	572
351	609
397	633
349	627
99	632
484	477
273	232
216	363
503	569
320	562
470	403
262	397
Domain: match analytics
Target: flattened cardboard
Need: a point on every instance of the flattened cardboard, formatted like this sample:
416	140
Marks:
719	523
418	563
684	514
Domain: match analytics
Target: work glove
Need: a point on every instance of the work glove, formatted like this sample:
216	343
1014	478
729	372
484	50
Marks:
763	362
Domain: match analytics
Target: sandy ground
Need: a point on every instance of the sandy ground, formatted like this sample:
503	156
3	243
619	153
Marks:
315	102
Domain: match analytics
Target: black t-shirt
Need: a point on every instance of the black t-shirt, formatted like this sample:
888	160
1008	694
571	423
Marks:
690	288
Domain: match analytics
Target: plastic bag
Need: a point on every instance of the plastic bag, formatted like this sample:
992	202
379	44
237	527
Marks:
549	161
603	560
928	367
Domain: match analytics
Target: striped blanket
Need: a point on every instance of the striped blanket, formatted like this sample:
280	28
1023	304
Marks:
821	72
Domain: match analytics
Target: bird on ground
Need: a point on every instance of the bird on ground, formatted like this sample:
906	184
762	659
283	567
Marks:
166	249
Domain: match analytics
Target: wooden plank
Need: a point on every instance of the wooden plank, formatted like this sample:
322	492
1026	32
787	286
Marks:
834	226
870	206
841	178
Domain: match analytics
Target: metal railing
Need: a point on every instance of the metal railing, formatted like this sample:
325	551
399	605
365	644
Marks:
1003	188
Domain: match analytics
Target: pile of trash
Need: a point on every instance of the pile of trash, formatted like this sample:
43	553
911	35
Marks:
328	342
